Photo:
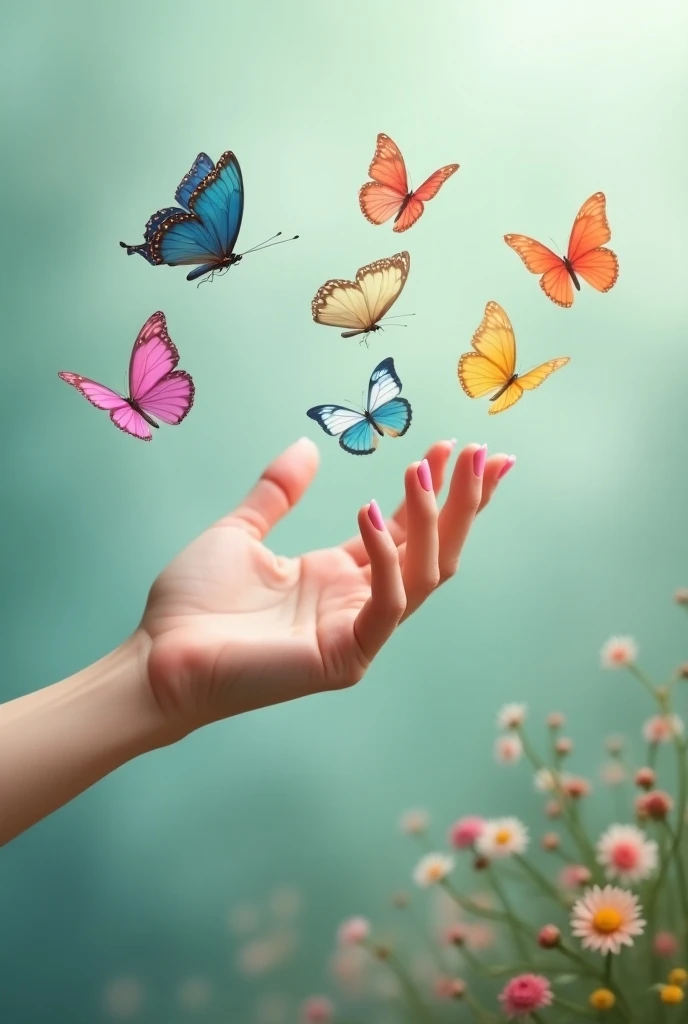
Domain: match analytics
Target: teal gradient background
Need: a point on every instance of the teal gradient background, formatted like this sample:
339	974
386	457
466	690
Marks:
104	109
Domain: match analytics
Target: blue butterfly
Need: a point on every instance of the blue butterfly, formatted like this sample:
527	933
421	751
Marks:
385	414
204	228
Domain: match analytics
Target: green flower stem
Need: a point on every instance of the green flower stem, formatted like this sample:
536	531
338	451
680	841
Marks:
479	1012
577	834
644	680
419	1010
499	970
540	879
519	941
675	854
580	1011
490	915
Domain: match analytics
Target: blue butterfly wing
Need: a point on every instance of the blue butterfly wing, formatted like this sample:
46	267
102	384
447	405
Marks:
201	167
219	203
150	233
391	413
357	434
394	417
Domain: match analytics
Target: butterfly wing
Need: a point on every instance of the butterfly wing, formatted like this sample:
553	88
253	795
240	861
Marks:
358	305
121	412
394	418
379	202
555	280
479	376
495	340
391	414
152	383
414	206
357	435
383	197
527	382
596	265
201	167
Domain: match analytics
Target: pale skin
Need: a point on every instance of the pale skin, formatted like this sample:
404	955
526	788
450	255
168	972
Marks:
230	627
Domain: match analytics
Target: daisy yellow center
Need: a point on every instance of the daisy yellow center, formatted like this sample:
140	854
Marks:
607	920
434	872
502	837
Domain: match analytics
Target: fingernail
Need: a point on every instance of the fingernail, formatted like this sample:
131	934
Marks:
453	442
506	467
479	460
424	475
375	516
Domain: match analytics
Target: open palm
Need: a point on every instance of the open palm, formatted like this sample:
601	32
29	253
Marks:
234	627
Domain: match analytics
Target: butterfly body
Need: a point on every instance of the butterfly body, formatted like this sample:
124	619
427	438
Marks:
388	194
204	228
156	387
359	305
586	255
491	367
385	413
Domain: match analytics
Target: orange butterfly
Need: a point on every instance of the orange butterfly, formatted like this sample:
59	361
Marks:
388	194
492	366
585	257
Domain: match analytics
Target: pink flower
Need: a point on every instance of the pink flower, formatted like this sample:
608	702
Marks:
573	876
681	595
353	931
625	852
511	716
555	720
549	936
619	652
553	809
606	919
563	746
449	988
317	1010
480	936
655	805
665	944
508	749
465	831
456	934
550	841
525	994
662	728
575	787
645	778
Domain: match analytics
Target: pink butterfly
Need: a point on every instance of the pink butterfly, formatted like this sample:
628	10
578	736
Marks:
155	387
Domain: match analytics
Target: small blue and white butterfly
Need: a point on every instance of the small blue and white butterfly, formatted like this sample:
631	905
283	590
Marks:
385	413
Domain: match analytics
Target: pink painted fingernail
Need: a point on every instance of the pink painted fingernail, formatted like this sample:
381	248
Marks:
506	467
424	475
375	516
479	460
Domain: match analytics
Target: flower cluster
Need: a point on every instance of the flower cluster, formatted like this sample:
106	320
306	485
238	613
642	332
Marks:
533	923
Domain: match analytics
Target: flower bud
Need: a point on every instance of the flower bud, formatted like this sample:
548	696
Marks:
550	841
645	778
549	936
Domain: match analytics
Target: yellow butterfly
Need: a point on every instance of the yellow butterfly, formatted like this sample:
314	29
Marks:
492	367
360	305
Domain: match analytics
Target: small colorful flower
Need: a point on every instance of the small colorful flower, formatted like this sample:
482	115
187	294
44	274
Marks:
563	746
502	837
665	944
545	780
525	994
353	931
458	988
553	809
317	1010
614	744
456	935
550	841
679	976
625	852
602	999
645	778
662	728
606	919
432	868
681	595
671	994
575	787
549	936
573	876
613	773
449	988
508	749
656	805
511	716
555	720
465	831
481	937
414	822
619	652
682	670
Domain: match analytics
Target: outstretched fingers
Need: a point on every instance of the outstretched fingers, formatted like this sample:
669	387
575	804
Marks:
383	610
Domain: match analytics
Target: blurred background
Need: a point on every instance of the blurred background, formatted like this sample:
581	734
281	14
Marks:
206	880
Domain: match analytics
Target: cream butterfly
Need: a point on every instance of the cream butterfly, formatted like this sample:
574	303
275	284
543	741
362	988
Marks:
359	305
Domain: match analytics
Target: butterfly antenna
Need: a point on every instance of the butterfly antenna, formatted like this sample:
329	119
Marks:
398	316
555	244
268	243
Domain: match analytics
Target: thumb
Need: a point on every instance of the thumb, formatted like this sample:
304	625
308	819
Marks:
280	487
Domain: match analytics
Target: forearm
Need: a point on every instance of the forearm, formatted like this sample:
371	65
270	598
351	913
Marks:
57	742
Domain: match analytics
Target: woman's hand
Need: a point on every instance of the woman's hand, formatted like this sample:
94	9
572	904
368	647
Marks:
232	626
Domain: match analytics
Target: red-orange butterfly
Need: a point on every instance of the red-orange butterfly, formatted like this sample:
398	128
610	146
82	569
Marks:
388	194
585	256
